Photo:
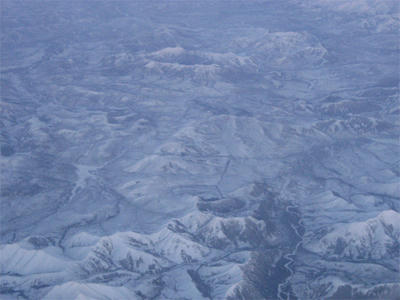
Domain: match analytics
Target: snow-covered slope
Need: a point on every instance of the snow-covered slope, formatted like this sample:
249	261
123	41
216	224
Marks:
375	239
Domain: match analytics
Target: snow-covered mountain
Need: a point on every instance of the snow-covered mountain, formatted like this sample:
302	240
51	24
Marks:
199	150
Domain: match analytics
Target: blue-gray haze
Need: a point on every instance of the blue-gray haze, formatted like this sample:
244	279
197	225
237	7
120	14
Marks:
242	149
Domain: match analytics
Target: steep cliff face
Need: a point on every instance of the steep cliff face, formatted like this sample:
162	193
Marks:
199	150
